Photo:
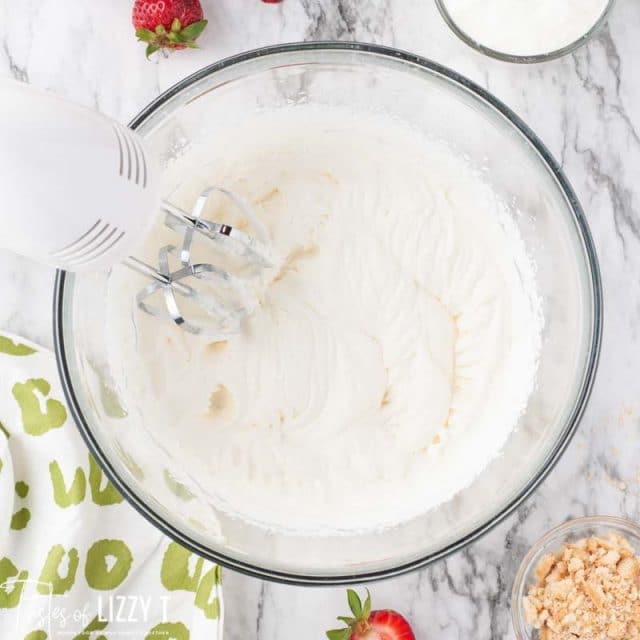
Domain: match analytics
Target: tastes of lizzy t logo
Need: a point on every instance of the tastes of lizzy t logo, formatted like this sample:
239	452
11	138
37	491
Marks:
29	609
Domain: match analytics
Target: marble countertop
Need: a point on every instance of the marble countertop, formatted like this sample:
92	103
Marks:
585	107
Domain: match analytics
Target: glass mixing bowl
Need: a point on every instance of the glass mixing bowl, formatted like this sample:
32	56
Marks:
440	103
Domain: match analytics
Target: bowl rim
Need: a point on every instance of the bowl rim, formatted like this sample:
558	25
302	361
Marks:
522	59
564	438
556	534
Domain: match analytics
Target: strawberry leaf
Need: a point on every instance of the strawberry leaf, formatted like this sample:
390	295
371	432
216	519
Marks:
145	35
348	621
151	49
339	634
355	604
193	31
366	609
175	25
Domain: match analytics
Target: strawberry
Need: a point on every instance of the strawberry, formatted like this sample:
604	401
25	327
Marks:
371	625
168	24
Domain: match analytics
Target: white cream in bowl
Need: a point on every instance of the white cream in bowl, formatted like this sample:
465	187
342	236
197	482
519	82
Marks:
395	342
523	27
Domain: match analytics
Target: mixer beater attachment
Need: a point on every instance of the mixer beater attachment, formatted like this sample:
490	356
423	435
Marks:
179	280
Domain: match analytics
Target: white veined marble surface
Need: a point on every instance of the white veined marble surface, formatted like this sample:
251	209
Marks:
585	107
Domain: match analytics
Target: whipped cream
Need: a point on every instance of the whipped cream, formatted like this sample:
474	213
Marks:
395	341
525	28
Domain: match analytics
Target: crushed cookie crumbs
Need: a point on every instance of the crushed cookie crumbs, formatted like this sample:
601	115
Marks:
589	590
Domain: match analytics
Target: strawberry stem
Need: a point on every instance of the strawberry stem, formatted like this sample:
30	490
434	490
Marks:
358	625
361	627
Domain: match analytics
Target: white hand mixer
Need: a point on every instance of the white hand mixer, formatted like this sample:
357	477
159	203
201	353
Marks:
80	192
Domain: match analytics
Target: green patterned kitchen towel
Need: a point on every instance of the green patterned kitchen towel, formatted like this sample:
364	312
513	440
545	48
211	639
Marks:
76	561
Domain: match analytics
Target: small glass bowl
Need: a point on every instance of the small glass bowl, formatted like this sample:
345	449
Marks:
554	541
521	59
